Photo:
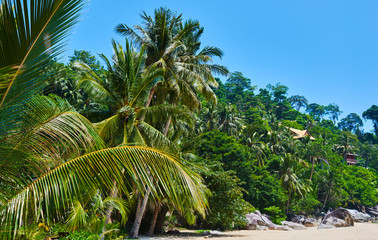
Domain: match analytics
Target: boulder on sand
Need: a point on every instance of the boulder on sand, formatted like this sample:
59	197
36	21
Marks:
338	218
359	216
305	221
373	211
258	221
295	226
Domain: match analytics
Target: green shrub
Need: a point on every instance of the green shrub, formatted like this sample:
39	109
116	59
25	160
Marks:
276	214
81	235
308	205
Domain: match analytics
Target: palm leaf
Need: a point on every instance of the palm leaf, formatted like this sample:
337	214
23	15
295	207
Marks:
162	173
31	33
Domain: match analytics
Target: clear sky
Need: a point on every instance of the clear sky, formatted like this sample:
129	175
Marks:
325	50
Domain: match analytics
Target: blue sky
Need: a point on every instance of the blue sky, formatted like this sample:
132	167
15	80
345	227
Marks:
324	50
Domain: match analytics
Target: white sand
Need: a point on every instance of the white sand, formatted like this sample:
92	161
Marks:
360	231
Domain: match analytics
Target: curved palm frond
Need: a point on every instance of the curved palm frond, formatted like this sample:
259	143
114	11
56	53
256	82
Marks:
29	39
162	173
51	132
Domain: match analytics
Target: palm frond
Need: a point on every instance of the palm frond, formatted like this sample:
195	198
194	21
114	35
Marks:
31	33
162	173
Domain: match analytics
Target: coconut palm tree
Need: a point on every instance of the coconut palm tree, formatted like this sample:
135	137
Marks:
125	92
290	166
175	46
39	129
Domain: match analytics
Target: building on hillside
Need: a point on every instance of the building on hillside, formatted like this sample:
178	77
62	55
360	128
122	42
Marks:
299	134
351	159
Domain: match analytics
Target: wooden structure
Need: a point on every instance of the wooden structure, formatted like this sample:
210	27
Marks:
351	159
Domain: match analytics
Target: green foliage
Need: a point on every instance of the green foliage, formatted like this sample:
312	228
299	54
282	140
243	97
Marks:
361	186
264	190
308	205
372	114
276	214
227	206
55	165
351	122
81	235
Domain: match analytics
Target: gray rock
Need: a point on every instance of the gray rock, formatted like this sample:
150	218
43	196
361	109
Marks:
373	211
359	216
258	221
338	218
214	232
305	221
295	226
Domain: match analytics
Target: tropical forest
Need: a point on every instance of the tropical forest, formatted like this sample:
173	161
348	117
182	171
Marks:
160	136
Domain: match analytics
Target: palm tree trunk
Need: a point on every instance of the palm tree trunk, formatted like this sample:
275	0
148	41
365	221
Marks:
152	91
160	219
312	168
108	214
138	218
151	95
325	200
151	229
287	204
166	128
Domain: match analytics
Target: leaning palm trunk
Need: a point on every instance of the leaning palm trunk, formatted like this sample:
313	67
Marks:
151	229
139	215
288	203
312	168
138	219
325	200
168	123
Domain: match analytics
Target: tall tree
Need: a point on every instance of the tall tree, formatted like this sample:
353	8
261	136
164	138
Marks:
352	122
316	110
372	114
333	111
175	46
298	102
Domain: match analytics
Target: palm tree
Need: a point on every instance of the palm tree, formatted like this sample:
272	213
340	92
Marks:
290	165
44	129
231	120
174	46
254	141
124	92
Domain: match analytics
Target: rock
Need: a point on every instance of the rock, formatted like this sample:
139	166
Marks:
214	232
373	211
338	218
295	226
305	221
258	221
359	216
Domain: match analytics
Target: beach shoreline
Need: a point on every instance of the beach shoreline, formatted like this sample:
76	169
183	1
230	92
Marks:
360	231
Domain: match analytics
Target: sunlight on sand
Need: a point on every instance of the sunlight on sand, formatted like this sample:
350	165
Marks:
361	231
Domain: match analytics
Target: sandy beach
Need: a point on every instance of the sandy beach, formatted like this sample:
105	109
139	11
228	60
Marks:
361	231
